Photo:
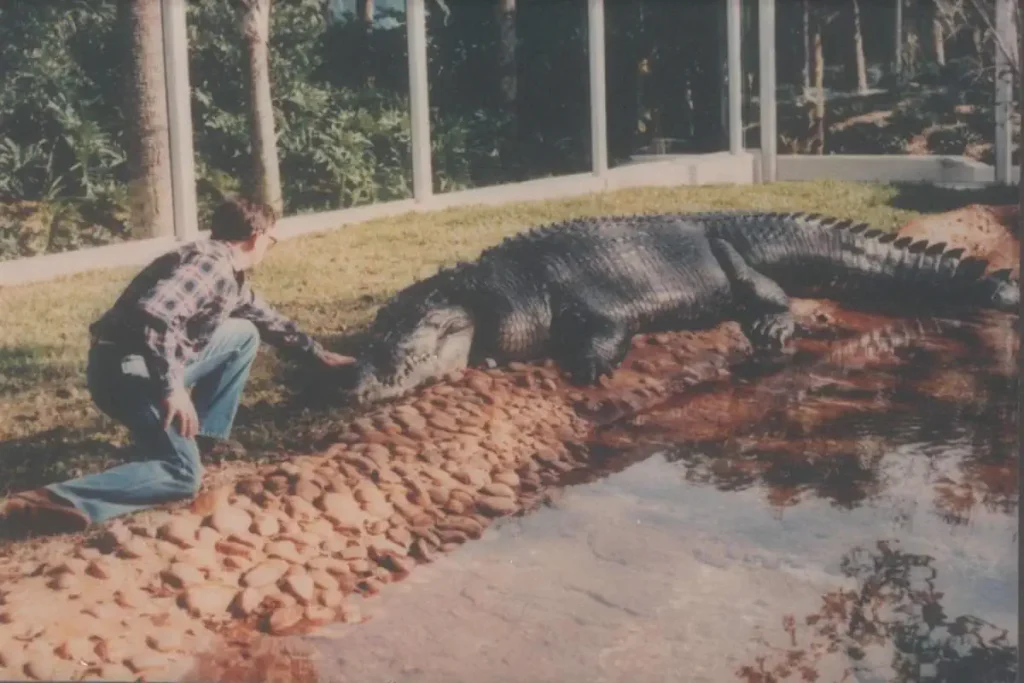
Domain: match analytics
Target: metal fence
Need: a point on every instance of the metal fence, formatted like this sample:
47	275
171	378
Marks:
738	163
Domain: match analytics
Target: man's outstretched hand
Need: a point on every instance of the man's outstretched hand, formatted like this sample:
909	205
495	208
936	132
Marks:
333	360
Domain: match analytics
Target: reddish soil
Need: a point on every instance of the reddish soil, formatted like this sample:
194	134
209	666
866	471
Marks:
286	548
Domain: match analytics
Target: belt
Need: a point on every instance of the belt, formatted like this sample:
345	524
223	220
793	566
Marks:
99	341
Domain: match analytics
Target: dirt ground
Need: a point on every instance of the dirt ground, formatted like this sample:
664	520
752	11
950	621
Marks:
287	549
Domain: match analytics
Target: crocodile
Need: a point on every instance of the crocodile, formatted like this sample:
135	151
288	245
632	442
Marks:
577	291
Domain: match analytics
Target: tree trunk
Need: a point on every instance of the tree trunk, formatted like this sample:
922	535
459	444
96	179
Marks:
266	174
365	11
935	34
507	67
858	49
148	143
817	117
897	57
806	71
938	42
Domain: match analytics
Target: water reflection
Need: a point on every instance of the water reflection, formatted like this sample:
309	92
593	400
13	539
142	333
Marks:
941	397
895	612
851	519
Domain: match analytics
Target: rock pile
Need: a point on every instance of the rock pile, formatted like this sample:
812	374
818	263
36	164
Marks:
280	550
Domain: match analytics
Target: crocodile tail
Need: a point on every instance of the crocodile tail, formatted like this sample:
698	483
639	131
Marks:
817	255
922	271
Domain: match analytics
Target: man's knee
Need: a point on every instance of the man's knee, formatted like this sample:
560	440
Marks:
243	334
189	478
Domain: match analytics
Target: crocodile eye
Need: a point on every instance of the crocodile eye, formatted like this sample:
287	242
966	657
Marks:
455	328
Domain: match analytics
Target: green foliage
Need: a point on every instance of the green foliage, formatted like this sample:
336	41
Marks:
340	94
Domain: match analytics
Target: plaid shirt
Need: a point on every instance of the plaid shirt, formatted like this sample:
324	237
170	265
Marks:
170	310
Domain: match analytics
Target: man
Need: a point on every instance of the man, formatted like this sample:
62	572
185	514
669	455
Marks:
169	360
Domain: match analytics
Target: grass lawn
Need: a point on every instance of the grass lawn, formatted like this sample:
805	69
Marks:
331	284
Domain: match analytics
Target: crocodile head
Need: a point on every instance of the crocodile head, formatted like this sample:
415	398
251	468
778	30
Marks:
417	336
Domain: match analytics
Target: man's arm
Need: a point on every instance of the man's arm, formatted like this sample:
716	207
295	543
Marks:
275	328
167	306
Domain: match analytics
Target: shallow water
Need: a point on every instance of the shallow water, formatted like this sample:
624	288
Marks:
848	519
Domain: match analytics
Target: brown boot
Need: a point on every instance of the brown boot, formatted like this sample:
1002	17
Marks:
40	512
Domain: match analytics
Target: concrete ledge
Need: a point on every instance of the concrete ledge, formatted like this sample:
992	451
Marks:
697	169
671	170
908	168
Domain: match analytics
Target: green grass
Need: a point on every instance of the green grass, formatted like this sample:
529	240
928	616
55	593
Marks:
330	283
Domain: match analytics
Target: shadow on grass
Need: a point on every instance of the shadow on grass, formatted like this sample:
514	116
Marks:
268	430
25	366
55	455
928	199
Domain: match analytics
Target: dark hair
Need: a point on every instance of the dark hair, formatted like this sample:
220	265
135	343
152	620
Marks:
239	219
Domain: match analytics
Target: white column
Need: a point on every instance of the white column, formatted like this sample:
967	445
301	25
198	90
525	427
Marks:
419	99
1006	31
598	112
179	114
734	44
766	66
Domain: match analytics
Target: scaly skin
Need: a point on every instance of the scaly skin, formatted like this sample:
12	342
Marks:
578	291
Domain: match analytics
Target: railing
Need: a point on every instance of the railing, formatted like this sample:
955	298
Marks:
735	166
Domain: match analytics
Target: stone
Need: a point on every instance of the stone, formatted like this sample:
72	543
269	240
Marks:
182	575
86	553
323	579
497	507
131	598
307	490
332	598
265	525
360	566
71	565
207	536
228	519
285	618
164	640
149	661
180	531
235	549
248	600
344	507
354	552
331	565
78	650
102	568
265	573
208	600
318	615
284	550
506	477
400	536
301	586
469	526
498	489
49	668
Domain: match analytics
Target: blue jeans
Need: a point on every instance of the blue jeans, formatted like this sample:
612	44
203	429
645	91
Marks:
168	466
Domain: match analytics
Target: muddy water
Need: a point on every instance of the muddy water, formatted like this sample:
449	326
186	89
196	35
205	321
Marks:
852	518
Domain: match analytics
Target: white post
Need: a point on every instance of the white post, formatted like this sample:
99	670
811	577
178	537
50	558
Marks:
179	115
766	59
734	43
598	113
1006	40
419	99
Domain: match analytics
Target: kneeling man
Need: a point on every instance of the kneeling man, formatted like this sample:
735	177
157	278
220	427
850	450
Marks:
169	360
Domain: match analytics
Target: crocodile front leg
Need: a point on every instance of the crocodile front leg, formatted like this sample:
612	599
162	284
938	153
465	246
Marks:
589	344
761	304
